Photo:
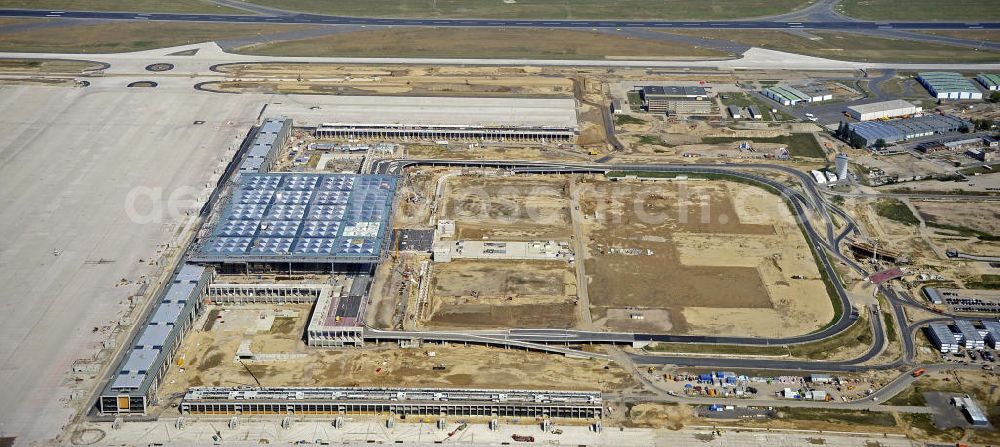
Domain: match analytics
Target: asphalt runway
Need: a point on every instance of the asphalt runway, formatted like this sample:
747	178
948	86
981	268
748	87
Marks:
843	25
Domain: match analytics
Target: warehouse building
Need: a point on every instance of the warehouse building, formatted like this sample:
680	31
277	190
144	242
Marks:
903	129
948	85
970	336
933	295
663	99
435	118
882	110
990	81
943	338
285	222
790	96
151	351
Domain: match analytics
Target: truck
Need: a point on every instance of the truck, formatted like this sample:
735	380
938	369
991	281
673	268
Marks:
919	372
522	438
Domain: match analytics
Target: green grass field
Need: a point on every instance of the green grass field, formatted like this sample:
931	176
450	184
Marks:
129	36
799	144
893	209
849	46
930	10
544	9
187	6
479	43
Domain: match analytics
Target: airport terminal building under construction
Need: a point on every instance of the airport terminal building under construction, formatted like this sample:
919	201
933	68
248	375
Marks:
439	118
260	221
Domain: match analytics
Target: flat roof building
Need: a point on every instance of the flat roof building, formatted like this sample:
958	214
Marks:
883	109
661	99
992	332
151	350
990	81
948	85
297	221
415	117
902	129
943	338
970	336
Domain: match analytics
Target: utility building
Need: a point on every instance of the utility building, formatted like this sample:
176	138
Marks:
948	85
882	110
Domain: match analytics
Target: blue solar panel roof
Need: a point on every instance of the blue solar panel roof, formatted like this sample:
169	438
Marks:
308	217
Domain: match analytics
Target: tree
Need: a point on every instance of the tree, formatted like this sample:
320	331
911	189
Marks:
995	97
964	128
880	143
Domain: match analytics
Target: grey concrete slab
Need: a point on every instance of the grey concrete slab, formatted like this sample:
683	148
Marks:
73	162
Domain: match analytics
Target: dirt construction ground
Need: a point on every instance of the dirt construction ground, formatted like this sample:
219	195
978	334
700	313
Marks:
718	257
502	294
507	208
209	360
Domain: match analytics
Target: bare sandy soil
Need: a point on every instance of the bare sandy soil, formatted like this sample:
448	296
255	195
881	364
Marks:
720	257
982	216
507	208
501	294
208	358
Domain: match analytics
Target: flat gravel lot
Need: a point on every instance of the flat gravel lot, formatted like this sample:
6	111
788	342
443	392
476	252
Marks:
70	255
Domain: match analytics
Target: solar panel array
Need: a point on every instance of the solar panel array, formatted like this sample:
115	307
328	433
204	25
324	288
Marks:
313	217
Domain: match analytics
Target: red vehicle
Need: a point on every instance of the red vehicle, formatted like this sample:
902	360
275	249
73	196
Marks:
919	372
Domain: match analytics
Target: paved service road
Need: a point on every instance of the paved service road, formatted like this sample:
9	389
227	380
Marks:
337	20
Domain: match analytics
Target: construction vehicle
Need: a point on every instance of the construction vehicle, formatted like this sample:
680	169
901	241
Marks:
460	428
522	438
919	372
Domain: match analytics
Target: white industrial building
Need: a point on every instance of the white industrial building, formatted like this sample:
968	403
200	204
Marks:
992	332
943	338
883	109
970	336
436	118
